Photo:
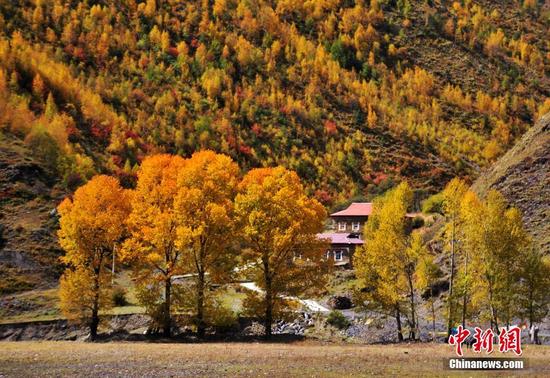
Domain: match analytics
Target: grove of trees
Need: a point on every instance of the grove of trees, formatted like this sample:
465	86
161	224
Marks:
496	275
196	217
201	218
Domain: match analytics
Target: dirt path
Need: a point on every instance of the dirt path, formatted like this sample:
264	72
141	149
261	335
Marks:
310	304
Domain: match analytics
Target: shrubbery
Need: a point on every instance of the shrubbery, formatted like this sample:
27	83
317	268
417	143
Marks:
433	204
119	296
338	320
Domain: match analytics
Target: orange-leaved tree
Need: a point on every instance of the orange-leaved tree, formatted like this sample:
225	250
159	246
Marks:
204	209
152	226
90	224
280	225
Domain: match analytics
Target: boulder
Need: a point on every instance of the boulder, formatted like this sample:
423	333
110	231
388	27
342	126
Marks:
340	302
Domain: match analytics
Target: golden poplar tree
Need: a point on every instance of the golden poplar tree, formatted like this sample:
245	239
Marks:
90	225
427	276
206	189
495	236
534	293
453	195
153	234
280	223
387	263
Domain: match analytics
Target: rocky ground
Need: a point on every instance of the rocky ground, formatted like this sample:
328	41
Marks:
371	328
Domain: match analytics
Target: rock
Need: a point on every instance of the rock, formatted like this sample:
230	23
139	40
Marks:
39	234
340	302
255	329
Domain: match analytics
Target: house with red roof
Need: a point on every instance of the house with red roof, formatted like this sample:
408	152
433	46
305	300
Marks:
346	230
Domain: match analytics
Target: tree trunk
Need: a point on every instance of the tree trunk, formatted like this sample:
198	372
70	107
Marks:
94	322
494	320
464	308
451	281
412	334
167	319
201	327
268	320
398	320
531	314
531	306
465	294
433	318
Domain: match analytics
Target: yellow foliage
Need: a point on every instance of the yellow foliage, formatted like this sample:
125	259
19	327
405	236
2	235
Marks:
90	225
494	42
77	294
101	204
150	8
387	264
543	108
38	86
280	222
494	236
206	187
212	82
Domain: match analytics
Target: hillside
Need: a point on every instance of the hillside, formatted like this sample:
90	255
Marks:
523	176
28	246
353	95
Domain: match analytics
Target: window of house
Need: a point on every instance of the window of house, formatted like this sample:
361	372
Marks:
337	255
355	226
341	226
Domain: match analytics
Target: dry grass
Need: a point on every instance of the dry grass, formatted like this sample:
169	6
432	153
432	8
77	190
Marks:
235	359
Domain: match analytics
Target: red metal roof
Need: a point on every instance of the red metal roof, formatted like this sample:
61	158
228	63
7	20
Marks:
340	238
356	209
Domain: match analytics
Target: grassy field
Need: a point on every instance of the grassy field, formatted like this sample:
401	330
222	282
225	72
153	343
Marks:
236	359
43	304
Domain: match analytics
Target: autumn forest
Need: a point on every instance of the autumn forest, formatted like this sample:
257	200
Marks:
320	87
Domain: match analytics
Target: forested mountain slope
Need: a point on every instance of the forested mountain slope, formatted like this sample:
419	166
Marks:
351	94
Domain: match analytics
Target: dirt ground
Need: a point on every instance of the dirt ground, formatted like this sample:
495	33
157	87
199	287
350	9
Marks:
60	358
